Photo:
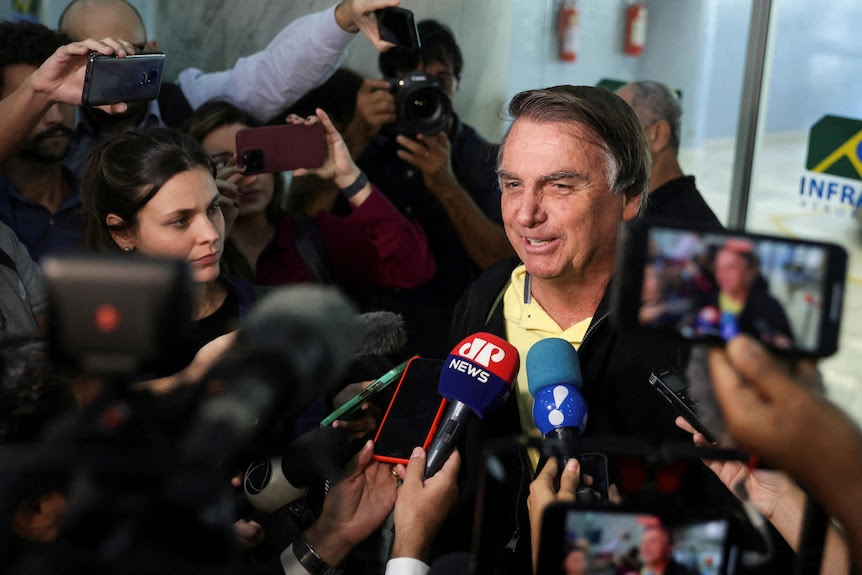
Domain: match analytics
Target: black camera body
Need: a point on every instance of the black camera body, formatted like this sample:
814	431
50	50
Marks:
421	106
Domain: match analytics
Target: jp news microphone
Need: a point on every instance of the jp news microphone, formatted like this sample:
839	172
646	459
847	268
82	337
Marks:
476	378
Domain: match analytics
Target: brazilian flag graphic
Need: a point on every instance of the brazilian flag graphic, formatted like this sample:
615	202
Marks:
835	147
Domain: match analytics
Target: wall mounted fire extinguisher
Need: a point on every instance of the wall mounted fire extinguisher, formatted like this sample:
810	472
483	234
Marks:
567	30
636	21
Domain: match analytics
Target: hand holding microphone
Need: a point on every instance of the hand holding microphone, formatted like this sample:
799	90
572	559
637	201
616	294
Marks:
476	378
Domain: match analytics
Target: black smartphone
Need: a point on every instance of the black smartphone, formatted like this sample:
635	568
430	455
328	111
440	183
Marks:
674	389
708	286
592	539
272	149
397	26
375	387
110	80
413	414
116	315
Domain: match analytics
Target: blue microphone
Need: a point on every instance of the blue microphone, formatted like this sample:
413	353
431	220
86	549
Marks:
554	379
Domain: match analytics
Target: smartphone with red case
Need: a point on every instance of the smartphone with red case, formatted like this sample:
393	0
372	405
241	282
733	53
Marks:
272	149
413	414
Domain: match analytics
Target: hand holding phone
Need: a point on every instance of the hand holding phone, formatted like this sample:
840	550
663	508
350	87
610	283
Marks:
352	405
397	26
710	286
674	389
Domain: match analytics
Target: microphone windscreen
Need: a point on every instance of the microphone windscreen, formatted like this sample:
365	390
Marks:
266	487
553	361
318	454
479	372
379	333
559	406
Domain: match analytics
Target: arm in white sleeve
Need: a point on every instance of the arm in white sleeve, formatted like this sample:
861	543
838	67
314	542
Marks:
300	58
406	566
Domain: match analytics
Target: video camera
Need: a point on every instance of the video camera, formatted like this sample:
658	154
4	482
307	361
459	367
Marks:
421	106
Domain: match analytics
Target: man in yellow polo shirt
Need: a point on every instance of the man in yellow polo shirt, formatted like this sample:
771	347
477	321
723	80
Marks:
574	165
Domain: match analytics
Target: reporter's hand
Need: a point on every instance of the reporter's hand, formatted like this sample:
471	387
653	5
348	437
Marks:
339	166
249	533
422	505
61	76
375	107
543	492
358	15
227	182
367	421
354	507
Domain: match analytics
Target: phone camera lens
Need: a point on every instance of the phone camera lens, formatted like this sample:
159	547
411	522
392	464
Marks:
143	79
153	77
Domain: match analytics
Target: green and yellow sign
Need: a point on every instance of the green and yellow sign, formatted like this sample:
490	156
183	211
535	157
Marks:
835	147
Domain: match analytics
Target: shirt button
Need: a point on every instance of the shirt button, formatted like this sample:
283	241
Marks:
51	222
408	209
410	173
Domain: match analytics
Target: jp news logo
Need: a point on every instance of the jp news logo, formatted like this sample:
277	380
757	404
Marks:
833	182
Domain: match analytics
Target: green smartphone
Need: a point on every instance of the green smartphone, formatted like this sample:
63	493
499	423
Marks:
376	386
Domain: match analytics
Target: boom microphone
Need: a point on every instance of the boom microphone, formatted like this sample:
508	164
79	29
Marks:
476	378
555	380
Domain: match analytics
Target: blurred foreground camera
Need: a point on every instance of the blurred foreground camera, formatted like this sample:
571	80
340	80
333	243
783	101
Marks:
421	106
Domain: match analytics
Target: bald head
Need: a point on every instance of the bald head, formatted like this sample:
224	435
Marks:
102	19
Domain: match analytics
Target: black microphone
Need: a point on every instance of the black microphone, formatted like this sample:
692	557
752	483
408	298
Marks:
291	347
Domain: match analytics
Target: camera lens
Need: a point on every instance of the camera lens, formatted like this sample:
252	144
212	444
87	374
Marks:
427	110
424	105
153	77
143	79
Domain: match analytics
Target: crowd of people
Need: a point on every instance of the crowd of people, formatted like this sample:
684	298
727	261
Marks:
455	234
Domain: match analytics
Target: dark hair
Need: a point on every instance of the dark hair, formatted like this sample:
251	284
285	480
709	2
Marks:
27	43
437	44
336	96
653	101
125	171
613	123
217	114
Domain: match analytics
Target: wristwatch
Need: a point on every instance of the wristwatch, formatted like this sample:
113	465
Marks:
310	560
355	187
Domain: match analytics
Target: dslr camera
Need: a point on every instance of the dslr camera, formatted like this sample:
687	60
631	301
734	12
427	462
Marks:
421	106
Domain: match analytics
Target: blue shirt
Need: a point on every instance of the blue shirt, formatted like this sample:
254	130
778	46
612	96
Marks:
36	227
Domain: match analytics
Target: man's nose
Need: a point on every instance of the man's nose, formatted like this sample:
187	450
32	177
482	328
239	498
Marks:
530	211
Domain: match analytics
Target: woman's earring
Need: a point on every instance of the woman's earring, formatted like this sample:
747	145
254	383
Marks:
128	248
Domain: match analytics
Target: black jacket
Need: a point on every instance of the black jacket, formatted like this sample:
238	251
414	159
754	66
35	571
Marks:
616	366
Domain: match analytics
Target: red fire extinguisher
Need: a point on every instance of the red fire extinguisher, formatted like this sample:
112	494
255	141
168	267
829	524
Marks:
636	21
567	27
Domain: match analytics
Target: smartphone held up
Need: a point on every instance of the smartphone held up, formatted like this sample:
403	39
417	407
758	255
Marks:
282	148
111	80
708	286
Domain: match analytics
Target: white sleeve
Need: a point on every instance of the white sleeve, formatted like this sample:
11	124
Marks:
300	58
406	566
290	563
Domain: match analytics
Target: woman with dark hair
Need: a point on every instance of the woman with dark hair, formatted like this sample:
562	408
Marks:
372	246
153	192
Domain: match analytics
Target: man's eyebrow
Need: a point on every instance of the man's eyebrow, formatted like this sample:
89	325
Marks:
563	175
506	175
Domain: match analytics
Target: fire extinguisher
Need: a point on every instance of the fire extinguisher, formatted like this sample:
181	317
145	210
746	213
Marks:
567	27
636	21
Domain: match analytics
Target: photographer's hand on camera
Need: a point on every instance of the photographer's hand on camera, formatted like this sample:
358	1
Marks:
228	181
544	491
339	166
375	107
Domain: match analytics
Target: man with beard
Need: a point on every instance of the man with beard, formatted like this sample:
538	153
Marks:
38	196
298	59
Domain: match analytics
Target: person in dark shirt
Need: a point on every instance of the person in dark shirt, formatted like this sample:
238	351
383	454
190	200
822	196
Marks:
672	194
446	181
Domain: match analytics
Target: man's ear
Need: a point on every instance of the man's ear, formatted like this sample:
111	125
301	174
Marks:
658	136
121	238
631	206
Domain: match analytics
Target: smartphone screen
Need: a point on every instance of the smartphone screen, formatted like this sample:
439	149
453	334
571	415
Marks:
109	80
713	286
600	539
397	25
272	149
413	413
